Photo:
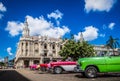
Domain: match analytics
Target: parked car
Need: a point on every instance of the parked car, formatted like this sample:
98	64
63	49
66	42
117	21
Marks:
59	67
43	67
89	67
0	67
34	67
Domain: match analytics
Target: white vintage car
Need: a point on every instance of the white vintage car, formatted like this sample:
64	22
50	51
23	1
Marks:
60	66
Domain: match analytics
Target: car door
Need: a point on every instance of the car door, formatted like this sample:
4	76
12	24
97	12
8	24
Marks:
68	66
113	64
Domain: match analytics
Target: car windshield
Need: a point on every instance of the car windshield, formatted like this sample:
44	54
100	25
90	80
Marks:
100	55
107	54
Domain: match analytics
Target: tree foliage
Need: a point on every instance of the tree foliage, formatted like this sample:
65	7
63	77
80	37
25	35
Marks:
76	50
2	64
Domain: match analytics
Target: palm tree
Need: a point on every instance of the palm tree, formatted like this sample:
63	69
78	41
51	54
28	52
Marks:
112	43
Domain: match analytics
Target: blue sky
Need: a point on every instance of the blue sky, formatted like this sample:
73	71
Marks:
97	19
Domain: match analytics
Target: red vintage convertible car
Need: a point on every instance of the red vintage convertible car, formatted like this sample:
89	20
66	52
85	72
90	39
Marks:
34	67
58	67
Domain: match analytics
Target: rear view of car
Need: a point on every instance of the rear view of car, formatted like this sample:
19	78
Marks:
34	67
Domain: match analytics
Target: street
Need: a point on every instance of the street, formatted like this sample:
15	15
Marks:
11	75
27	75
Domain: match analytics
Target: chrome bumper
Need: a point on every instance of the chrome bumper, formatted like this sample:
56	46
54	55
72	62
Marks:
77	69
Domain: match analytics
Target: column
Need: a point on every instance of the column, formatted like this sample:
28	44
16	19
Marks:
24	49
29	48
41	57
33	49
20	48
39	47
48	48
21	63
57	48
31	62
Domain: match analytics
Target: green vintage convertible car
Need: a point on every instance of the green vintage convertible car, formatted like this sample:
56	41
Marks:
89	67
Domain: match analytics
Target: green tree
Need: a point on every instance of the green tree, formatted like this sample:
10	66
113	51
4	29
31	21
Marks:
112	43
76	50
2	64
85	49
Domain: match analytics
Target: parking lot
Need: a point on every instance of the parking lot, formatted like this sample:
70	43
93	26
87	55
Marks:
43	76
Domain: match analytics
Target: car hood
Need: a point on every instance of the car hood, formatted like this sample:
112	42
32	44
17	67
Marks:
92	59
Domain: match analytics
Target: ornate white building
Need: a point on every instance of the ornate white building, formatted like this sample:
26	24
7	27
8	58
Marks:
36	49
102	49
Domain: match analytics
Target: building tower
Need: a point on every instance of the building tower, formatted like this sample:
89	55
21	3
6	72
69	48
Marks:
25	29
81	37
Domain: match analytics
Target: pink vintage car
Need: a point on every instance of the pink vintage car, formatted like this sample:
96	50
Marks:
34	67
59	67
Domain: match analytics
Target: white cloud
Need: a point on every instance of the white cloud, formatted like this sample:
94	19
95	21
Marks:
99	5
104	27
111	25
102	35
56	32
37	26
89	34
57	15
14	27
42	27
9	51
2	7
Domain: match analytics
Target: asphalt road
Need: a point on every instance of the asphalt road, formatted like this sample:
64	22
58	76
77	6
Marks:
27	75
11	75
41	76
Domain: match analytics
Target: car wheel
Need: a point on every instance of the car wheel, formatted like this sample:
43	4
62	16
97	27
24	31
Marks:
58	70
91	72
43	69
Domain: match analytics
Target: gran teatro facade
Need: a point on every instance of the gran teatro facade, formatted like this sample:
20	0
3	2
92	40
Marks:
36	49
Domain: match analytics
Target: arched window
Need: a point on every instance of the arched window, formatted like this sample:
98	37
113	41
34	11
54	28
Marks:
36	45
54	52
36	51
22	43
26	44
45	54
53	47
45	46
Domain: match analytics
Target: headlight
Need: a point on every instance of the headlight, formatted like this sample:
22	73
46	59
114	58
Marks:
79	63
